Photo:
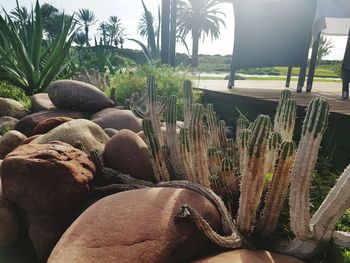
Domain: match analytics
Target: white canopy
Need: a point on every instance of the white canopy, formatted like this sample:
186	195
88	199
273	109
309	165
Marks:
332	17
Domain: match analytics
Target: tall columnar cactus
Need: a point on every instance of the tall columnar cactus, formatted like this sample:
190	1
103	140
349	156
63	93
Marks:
242	123
188	102
200	170
243	148
150	106
222	134
278	188
213	130
172	140
275	140
252	183
228	176
313	128
185	152
160	170
285	119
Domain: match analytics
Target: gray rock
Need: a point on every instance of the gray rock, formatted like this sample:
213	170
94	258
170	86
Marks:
90	134
12	108
7	123
10	141
77	95
110	132
40	102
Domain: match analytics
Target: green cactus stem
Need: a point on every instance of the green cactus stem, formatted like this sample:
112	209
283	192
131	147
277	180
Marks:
252	182
160	170
200	170
242	123
332	208
185	152
242	148
285	119
172	140
188	102
275	140
313	128
278	188
213	130
222	134
228	176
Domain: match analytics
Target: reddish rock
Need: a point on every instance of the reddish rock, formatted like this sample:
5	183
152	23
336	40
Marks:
117	119
40	102
31	138
46	178
28	123
248	256
10	141
9	224
48	124
137	226
127	152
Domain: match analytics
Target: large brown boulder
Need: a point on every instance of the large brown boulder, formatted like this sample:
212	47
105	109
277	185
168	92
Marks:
40	102
248	256
10	141
28	123
12	108
48	178
137	226
7	123
48	124
117	119
9	224
77	95
90	134
127	152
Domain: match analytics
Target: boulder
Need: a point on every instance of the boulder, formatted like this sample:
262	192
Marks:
48	124
31	138
41	102
10	141
9	224
77	95
248	256
7	123
90	134
47	178
117	119
28	123
127	152
12	108
0	180
137	226
110	132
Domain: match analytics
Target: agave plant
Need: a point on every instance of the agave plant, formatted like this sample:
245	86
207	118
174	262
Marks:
28	60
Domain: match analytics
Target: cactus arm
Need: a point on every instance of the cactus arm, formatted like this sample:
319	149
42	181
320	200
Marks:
242	149
278	189
157	159
285	119
313	128
173	143
222	134
275	140
185	152
341	239
213	129
252	183
200	170
332	208
188	102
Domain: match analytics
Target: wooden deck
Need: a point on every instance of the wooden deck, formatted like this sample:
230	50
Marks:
270	90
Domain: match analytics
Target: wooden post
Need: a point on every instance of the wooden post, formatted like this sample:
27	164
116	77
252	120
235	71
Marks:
172	44
164	57
289	75
310	78
346	70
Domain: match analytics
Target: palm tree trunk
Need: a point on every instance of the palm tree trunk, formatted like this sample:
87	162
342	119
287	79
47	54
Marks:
195	43
165	31
172	44
87	35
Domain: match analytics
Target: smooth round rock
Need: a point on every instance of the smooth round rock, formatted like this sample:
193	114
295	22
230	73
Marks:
9	224
48	124
90	134
77	95
137	226
117	119
40	102
47	178
7	123
10	141
28	123
248	256
110	132
12	108
128	153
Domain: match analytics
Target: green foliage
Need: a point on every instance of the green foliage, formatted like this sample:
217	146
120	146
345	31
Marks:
28	61
169	82
13	92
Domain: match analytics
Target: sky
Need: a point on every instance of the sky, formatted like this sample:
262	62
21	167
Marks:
130	11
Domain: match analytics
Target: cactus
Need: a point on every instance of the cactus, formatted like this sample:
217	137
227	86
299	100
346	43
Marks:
222	134
185	152
285	119
278	188
188	102
242	148
159	165
313	128
242	123
275	140
253	177
213	130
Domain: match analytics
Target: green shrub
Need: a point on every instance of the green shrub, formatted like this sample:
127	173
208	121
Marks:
169	82
12	92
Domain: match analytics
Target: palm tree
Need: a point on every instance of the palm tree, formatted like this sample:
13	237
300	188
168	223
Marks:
103	29
20	13
86	19
201	18
115	31
80	39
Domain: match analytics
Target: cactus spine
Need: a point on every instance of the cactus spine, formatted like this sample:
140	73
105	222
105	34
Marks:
275	140
285	119
278	188
188	102
252	183
313	128
213	130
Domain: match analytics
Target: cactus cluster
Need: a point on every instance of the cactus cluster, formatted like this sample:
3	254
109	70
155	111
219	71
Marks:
93	77
237	169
